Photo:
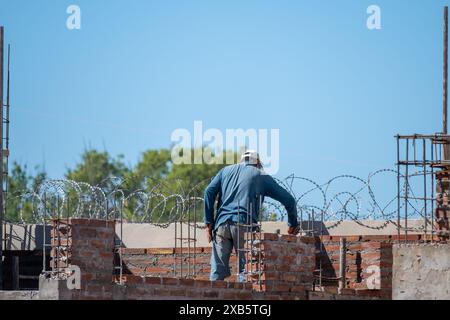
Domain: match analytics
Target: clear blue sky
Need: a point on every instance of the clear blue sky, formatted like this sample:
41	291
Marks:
139	69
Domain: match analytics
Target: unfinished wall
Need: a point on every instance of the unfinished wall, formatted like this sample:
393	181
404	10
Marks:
368	262
421	271
88	244
168	262
160	288
442	204
331	293
287	265
146	235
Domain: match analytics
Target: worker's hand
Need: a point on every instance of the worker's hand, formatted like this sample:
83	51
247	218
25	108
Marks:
294	230
209	232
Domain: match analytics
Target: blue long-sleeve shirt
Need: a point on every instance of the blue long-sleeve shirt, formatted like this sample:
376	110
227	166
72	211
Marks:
239	187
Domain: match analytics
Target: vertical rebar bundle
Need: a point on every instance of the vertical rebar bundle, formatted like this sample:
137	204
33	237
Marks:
342	264
1	155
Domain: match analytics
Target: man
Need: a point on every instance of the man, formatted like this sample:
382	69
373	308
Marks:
241	189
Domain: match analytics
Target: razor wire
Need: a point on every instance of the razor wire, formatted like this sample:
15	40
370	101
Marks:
162	203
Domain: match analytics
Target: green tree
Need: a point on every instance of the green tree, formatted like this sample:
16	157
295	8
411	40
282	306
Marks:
97	168
153	167
18	182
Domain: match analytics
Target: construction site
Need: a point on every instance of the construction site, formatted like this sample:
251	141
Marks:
80	245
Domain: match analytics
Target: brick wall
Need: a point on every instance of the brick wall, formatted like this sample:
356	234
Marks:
168	262
287	266
346	294
88	244
368	261
442	205
161	288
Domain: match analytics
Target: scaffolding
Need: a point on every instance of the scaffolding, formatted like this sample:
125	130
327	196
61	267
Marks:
421	166
4	142
248	251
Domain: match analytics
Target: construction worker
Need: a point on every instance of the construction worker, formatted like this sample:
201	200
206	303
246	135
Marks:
240	188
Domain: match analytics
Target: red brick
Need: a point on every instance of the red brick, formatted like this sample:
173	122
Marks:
211	294
187	282
298	250
99	244
371	256
307	240
162	292
347	291
368	293
202	283
229	295
270	275
275	287
179	292
288	238
289	277
134	279
289	259
154	270
159	251
170	281
298	288
219	284
284	267
244	295
235	285
132	251
297	268
192	293
153	280
271	297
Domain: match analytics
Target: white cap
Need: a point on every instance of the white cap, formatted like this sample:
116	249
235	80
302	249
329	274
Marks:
251	155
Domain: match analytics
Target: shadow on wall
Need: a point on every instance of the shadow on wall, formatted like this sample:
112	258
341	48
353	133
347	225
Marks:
27	237
318	227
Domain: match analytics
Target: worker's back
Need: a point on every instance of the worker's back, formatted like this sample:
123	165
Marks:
240	187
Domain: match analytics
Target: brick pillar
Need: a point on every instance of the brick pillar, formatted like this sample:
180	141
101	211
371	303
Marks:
287	265
443	204
88	244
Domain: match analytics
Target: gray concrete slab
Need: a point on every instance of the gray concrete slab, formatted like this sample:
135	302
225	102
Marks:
421	271
30	236
24	236
151	236
19	295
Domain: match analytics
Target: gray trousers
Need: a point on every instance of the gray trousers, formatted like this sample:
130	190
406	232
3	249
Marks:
224	240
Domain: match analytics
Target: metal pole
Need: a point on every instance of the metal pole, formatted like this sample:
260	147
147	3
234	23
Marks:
195	234
44	227
238	250
260	237
15	272
1	156
424	184
445	85
342	263
406	188
432	192
321	249
398	187
189	239
445	92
